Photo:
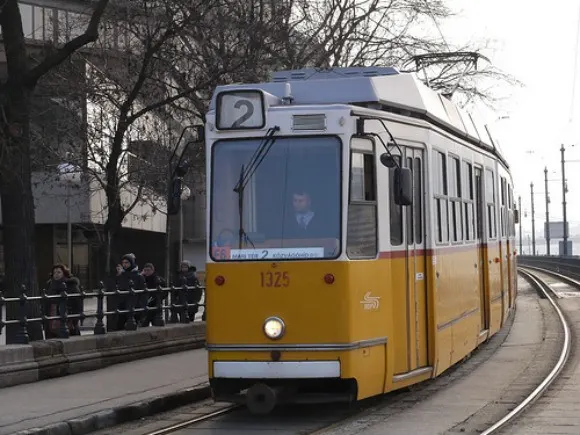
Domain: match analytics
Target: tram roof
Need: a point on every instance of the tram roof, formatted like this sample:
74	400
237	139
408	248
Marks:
386	87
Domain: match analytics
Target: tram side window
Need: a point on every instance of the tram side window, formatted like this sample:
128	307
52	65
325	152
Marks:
511	205
395	211
467	195
490	201
455	199
440	194
418	201
503	211
361	239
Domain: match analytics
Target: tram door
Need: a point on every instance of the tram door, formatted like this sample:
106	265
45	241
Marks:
479	230
416	262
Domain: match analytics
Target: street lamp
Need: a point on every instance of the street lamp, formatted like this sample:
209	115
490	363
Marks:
547	228
564	190
185	195
70	175
533	220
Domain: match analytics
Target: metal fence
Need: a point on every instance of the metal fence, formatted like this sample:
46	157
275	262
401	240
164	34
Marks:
140	308
566	265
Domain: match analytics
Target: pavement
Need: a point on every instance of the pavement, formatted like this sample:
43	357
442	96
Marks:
80	403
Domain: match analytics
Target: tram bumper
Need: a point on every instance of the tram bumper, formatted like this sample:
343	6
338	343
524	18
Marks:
262	385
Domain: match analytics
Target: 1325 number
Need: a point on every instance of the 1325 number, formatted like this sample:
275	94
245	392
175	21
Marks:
275	279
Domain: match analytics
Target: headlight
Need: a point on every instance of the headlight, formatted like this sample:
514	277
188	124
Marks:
274	328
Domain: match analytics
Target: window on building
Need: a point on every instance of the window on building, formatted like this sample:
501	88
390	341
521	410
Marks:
361	240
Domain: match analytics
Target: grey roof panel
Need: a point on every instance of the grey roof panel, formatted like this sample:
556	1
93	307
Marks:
368	85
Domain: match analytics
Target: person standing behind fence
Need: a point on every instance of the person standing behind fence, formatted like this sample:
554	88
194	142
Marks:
152	281
188	277
62	279
130	273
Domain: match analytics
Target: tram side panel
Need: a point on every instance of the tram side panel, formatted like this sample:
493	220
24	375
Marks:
457	295
374	314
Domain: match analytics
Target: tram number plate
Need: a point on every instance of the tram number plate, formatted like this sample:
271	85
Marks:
275	279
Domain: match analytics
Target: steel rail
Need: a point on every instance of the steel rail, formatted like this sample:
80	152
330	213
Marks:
556	370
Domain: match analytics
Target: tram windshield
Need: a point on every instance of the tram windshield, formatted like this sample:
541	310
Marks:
289	207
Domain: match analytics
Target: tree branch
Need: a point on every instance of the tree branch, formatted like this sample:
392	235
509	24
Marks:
63	53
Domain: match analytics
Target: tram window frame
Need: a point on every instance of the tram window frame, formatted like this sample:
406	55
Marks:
455	206
503	210
490	200
467	181
418	201
368	182
511	205
441	207
409	211
396	226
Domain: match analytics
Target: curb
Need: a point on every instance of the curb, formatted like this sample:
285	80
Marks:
124	413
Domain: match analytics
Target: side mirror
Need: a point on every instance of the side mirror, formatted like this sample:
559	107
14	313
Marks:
516	216
403	186
388	161
174	196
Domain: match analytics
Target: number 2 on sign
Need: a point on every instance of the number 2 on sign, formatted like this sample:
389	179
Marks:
275	279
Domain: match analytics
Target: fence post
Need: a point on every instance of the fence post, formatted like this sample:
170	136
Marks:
184	304
99	325
130	324
22	334
62	307
158	319
174	295
1	311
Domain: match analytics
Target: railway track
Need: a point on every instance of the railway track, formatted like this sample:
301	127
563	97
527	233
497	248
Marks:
542	286
190	425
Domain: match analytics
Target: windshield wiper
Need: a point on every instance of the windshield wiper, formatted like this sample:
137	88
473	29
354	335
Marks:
246	174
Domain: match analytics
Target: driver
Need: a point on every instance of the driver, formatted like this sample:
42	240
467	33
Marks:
304	222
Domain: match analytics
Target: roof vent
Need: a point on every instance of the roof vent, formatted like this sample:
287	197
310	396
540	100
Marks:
309	122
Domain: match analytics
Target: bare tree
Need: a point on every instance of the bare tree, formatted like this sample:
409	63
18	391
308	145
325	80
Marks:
16	95
260	36
141	84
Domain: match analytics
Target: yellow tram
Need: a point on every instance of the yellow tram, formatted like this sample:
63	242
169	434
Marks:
361	236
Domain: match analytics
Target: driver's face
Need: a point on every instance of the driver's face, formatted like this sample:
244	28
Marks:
301	203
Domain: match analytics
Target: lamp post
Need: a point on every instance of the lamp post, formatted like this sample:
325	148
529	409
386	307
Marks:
185	195
547	230
70	175
564	202
533	221
520	210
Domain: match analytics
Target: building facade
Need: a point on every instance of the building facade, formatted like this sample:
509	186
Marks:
79	203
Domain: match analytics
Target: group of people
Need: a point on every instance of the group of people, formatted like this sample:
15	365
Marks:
127	274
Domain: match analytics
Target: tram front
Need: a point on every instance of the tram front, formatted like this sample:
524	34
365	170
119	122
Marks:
276	285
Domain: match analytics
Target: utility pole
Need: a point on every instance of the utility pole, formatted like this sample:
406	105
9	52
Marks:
521	216
564	202
533	221
547	229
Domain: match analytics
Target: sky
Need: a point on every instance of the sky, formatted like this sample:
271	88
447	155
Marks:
536	44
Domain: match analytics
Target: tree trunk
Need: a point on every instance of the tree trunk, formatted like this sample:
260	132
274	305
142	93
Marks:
18	206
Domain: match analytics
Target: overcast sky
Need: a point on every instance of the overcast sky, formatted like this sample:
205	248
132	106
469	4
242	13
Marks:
536	44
